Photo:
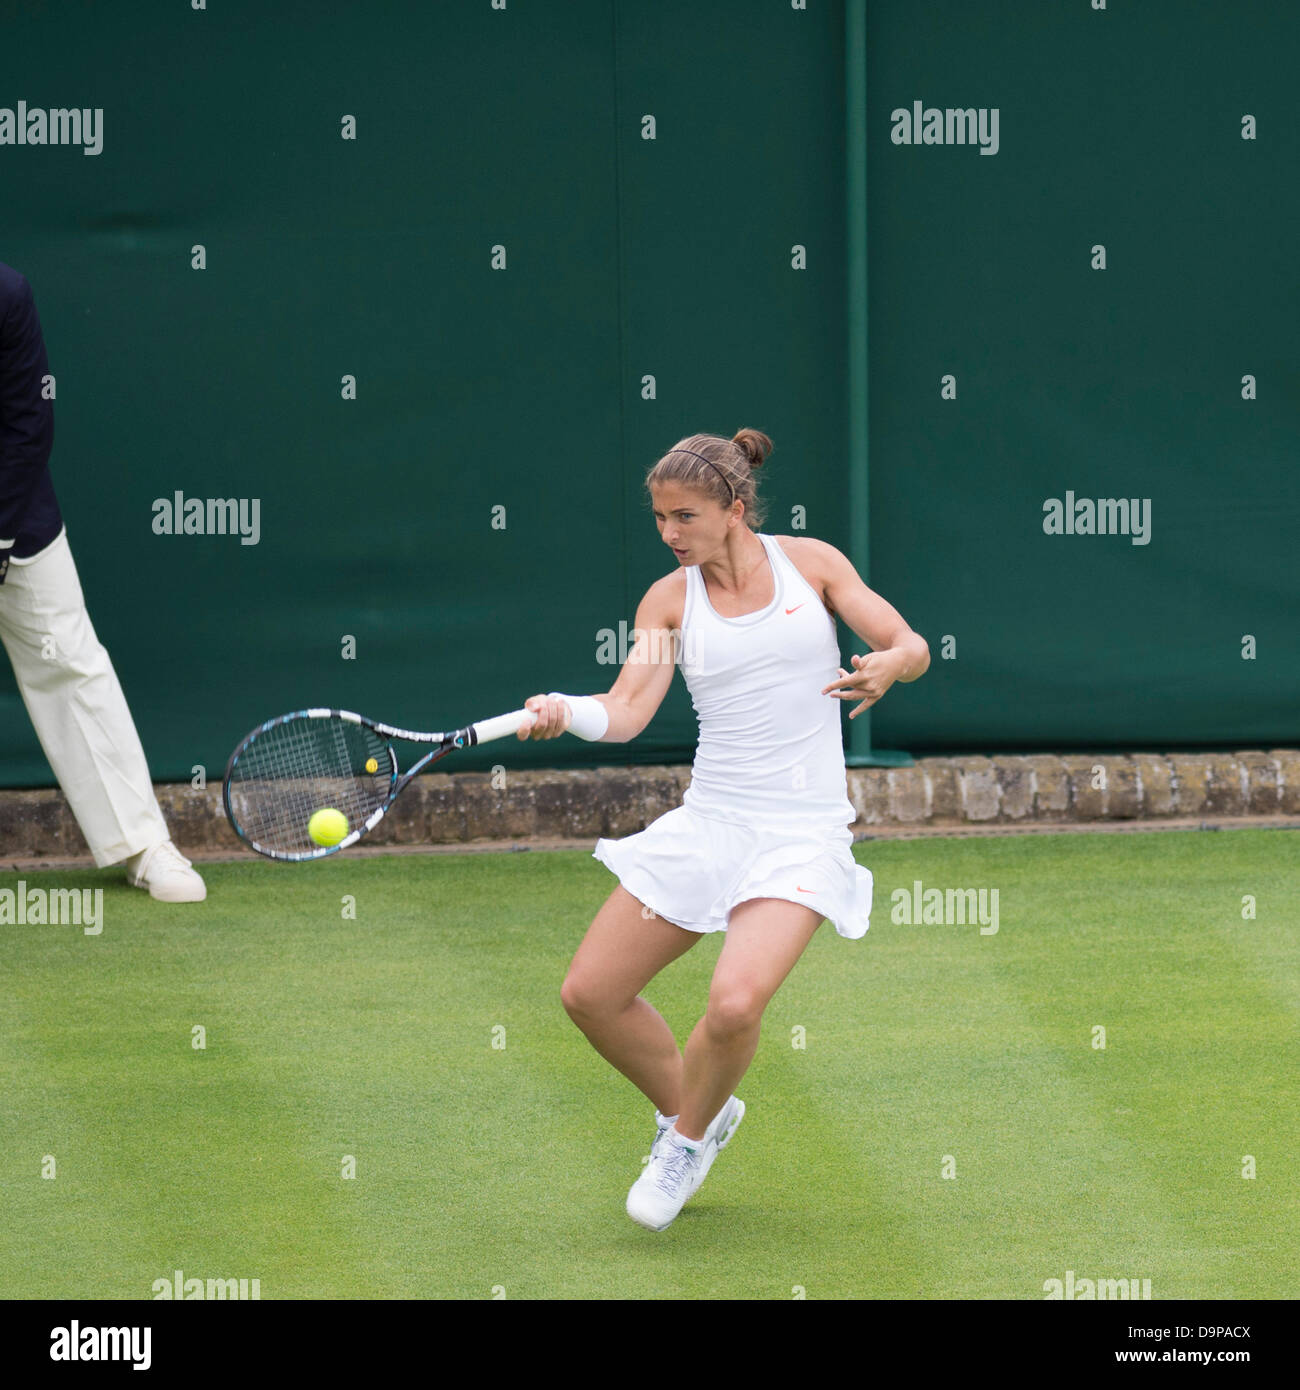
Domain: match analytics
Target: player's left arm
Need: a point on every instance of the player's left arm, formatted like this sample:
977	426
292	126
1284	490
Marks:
897	653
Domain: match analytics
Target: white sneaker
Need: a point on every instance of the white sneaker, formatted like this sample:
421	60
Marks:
725	1123
167	874
671	1177
677	1167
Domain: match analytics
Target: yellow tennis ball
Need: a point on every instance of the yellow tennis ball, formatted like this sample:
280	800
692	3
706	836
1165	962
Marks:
371	765
328	826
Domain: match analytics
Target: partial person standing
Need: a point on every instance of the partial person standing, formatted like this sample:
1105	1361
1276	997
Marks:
64	674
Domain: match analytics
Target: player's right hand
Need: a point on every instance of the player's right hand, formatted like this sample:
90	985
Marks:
553	717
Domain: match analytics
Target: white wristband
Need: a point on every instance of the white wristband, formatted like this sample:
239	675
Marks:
590	718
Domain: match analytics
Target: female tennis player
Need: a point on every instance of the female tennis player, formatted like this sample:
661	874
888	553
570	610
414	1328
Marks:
760	847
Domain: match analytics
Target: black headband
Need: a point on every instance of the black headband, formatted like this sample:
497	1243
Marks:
712	465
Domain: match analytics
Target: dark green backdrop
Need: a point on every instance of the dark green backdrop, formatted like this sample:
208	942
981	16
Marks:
629	259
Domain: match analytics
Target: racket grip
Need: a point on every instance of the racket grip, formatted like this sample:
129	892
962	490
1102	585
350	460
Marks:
502	726
589	720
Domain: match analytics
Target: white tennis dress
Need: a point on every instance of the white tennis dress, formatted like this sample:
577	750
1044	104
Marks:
767	812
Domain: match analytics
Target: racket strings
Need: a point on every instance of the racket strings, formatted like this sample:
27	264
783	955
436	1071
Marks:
300	766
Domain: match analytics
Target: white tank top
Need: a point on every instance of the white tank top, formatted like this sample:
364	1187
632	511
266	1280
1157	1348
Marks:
770	746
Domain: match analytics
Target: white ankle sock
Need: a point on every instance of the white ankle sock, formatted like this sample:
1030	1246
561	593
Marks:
683	1142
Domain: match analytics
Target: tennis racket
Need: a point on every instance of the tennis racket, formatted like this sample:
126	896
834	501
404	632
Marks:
293	766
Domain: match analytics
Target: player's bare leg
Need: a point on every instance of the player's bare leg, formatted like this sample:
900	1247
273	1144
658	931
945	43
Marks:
765	937
624	949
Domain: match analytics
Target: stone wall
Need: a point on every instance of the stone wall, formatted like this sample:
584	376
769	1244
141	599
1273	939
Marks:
462	808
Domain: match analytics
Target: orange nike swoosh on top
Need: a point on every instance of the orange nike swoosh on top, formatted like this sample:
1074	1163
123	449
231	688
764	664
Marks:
805	890
796	608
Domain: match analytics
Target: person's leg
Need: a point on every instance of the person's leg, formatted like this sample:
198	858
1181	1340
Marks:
765	937
77	707
621	953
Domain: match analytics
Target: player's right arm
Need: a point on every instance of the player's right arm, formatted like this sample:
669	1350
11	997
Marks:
636	695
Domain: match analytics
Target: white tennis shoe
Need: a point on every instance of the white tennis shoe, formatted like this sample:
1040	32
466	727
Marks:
167	874
677	1167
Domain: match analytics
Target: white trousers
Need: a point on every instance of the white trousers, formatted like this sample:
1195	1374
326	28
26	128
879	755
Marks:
76	704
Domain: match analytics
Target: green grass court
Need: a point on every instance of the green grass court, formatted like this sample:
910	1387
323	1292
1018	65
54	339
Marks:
482	1168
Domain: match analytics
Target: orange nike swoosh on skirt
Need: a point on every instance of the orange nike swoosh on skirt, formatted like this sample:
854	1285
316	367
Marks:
796	608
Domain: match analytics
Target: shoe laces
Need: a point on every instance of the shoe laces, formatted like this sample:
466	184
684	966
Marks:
675	1165
162	858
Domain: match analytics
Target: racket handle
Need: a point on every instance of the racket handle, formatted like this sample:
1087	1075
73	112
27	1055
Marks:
502	726
589	720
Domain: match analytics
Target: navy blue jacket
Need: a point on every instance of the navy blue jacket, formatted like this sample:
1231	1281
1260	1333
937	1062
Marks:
29	512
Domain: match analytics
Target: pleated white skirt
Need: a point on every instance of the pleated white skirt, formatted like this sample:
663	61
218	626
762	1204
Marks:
692	871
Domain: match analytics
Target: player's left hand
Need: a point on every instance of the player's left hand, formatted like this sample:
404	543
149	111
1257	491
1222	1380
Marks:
872	675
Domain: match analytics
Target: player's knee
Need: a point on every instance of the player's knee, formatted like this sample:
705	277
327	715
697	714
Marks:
733	1010
582	998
